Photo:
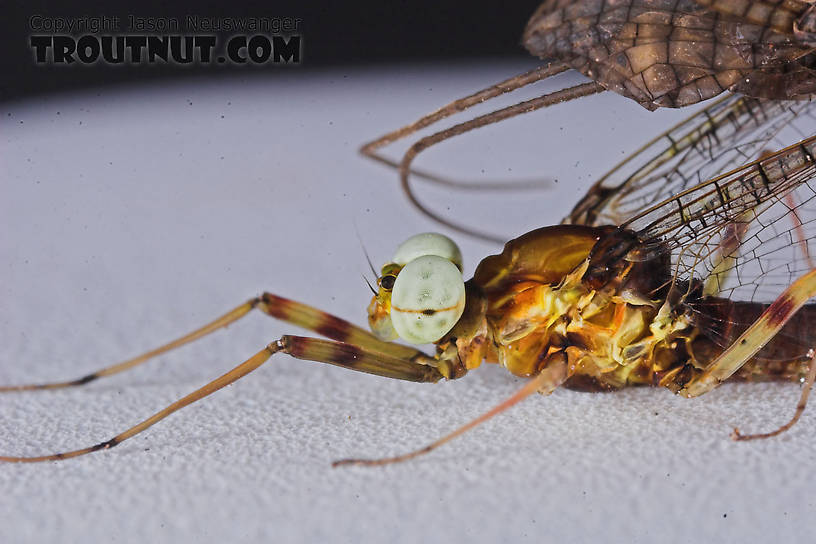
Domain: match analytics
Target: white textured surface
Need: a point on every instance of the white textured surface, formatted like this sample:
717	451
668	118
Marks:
132	215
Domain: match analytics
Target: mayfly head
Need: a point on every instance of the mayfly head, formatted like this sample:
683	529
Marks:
421	291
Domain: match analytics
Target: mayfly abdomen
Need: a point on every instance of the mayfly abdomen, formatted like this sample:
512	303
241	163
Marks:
719	322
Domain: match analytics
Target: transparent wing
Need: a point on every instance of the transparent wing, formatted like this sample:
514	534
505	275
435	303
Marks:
741	215
745	236
729	133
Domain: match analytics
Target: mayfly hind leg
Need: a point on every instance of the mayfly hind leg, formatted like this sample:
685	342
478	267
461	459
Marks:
725	265
807	385
351	347
752	340
807	381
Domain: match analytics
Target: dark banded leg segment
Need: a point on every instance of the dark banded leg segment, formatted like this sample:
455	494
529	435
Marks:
807	384
273	305
752	340
221	322
325	351
769	323
333	327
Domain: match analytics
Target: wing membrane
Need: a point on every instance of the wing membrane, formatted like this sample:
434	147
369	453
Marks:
721	200
729	133
745	235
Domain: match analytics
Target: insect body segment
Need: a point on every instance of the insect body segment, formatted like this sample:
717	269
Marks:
541	310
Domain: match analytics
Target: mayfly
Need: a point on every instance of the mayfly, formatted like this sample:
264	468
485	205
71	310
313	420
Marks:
707	285
660	53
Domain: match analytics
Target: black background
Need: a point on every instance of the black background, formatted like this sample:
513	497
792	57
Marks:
333	34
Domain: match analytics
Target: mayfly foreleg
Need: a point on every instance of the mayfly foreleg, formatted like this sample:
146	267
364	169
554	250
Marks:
279	307
417	369
238	372
218	323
